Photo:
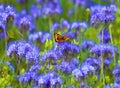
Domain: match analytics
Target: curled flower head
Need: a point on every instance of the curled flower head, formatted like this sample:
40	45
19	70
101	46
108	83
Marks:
39	37
95	62
55	26
104	50
11	12
65	24
24	22
116	73
87	69
35	12
87	44
77	73
78	26
23	49
67	50
102	14
50	56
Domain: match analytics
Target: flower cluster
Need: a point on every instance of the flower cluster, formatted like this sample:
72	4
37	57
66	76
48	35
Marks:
23	49
102	14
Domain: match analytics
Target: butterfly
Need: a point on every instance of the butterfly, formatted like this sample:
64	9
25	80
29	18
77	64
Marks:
59	38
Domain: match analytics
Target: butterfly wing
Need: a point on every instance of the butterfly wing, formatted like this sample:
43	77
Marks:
60	38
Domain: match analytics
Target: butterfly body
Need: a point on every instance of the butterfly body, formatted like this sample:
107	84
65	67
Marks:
59	38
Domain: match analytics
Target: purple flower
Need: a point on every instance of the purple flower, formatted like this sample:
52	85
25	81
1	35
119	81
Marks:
11	12
49	80
95	62
2	28
55	26
84	85
35	12
87	44
69	47
107	86
116	73
77	73
7	13
105	37
116	84
86	69
105	50
21	1
52	8
78	25
39	37
23	49
102	14
85	3
24	22
68	67
50	55
65	24
35	67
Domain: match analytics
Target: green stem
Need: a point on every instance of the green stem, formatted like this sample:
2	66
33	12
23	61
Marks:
102	80
112	42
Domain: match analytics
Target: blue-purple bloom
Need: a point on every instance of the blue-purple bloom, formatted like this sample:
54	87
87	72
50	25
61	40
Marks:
78	25
24	21
116	73
105	50
102	14
95	62
107	86
23	49
67	67
85	3
86	69
87	44
35	12
65	24
7	13
77	73
50	55
105	36
39	36
55	26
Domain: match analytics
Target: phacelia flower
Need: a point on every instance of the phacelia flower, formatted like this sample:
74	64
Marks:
95	62
65	24
102	14
35	12
87	44
85	3
77	73
24	22
105	50
11	12
23	49
67	50
55	26
50	55
86	69
116	73
68	67
78	25
104	36
39	36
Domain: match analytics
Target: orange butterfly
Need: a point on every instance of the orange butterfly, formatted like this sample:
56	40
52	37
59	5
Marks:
59	38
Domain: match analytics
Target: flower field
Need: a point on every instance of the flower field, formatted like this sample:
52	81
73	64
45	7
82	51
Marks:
59	44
